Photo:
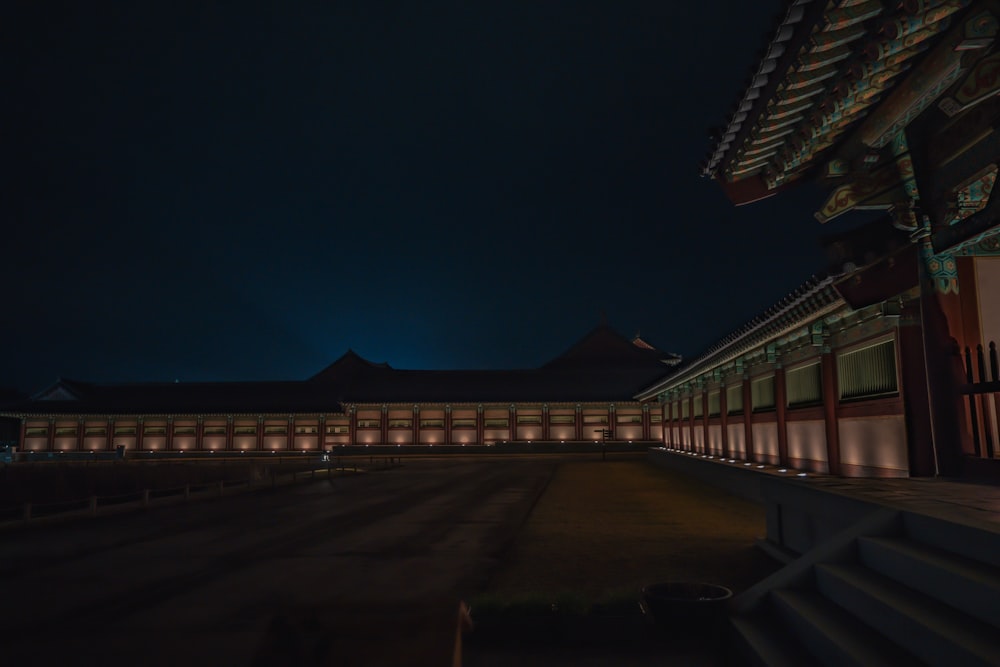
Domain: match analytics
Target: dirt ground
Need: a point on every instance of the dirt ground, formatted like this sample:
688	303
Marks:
603	529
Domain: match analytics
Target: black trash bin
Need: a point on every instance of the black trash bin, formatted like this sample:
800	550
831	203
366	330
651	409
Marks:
684	608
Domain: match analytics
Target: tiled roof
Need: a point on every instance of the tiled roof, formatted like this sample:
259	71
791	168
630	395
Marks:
75	397
812	299
827	67
602	366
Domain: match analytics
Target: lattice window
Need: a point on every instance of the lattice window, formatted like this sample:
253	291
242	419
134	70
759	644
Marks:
714	404
762	393
734	399
804	385
868	372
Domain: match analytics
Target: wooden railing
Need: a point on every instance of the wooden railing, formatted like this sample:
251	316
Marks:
984	399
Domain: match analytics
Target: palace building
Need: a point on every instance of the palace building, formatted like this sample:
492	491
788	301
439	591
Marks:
886	366
585	394
889	366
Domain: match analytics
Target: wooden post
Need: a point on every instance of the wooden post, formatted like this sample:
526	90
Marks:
748	418
781	409
828	370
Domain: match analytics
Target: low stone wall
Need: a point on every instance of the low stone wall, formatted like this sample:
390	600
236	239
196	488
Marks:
799	515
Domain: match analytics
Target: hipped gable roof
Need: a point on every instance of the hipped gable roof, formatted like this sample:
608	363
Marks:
601	366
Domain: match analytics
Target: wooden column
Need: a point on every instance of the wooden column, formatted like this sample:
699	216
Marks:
290	438
384	425
321	440
81	432
646	435
674	422
447	424
578	430
724	420
748	418
140	433
781	410
260	432
352	425
52	434
706	440
199	434
416	425
109	436
229	433
169	442
512	422
480	427
828	370
690	423
24	434
546	424
613	421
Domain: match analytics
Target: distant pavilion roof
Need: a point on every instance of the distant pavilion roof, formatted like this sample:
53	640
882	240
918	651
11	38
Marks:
601	366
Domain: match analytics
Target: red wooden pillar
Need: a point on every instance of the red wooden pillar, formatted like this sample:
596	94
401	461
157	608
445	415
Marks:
81	432
645	422
140	433
781	409
384	425
416	425
352	425
480	426
690	423
704	424
664	424
321	430
724	420
828	370
229	433
169	443
447	424
199	434
675	422
748	418
612	421
512	423
260	433
51	440
579	423
546	430
290	438
109	435
24	433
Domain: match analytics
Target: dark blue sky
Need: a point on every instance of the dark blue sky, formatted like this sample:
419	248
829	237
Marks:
225	191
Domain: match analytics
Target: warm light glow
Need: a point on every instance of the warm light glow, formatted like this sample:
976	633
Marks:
782	469
759	467
801	474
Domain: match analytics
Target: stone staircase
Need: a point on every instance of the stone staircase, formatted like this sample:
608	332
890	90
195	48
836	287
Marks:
896	589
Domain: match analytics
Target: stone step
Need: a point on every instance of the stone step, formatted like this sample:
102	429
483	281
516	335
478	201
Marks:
834	637
979	542
965	584
760	640
931	630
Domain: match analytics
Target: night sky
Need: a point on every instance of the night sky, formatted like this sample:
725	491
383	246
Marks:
235	191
